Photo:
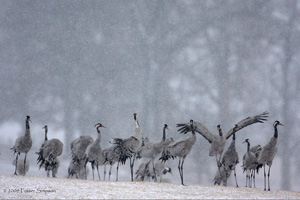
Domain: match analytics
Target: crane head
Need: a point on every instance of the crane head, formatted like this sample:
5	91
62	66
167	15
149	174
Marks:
276	123
167	169
45	127
28	118
166	126
246	141
99	125
134	116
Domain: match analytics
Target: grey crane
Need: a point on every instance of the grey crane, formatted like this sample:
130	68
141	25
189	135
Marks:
256	149
111	156
160	170
218	141
93	152
268	153
141	172
49	151
53	166
20	167
153	149
145	170
40	152
78	149
231	158
180	148
130	146
249	162
222	175
23	144
76	169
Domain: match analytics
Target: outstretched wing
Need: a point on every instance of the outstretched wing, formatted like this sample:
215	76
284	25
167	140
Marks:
248	121
199	128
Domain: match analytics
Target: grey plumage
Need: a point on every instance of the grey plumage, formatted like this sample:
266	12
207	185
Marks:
20	167
141	172
93	152
111	155
78	149
130	146
145	171
180	148
231	158
160	170
222	175
153	149
249	163
55	163
40	158
268	153
77	169
48	154
218	141
23	144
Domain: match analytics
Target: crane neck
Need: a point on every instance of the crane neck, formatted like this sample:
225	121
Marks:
164	134
27	124
233	136
137	123
220	132
27	131
99	133
275	131
248	146
46	131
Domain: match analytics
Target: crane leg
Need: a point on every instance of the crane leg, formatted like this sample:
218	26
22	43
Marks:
109	174
251	178
16	164
131	166
235	178
254	178
85	172
93	168
246	177
155	179
269	178
181	168
264	178
98	170
117	171
25	163
104	171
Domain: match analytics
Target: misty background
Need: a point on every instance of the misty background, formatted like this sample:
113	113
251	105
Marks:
72	64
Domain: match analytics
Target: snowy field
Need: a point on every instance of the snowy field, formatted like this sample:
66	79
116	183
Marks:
34	187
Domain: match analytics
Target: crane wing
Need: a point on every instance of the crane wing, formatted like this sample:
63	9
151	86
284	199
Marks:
248	121
198	127
127	147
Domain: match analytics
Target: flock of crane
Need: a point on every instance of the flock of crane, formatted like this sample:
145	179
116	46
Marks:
86	150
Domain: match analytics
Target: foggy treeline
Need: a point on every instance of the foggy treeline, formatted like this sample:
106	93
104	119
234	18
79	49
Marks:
71	64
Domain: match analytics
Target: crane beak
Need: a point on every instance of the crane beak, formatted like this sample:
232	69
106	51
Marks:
103	126
280	124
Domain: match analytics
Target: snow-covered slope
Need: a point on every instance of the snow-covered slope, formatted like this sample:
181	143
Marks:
33	187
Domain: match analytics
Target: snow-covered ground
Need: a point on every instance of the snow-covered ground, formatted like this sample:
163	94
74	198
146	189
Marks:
35	187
